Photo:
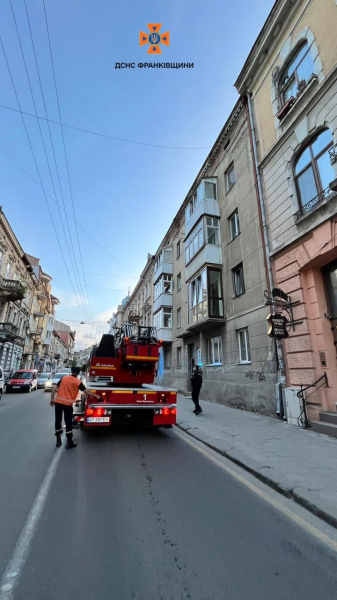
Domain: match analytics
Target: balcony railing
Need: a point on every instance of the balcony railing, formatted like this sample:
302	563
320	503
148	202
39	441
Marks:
333	154
8	329
36	332
11	289
314	201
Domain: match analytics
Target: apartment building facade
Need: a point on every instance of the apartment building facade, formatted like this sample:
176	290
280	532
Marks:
17	285
290	78
211	277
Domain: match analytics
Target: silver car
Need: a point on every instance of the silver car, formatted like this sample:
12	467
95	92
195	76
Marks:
42	378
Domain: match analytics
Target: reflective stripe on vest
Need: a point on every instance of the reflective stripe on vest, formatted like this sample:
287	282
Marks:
68	390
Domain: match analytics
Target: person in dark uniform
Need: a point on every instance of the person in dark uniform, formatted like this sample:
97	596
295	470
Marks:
196	381
63	396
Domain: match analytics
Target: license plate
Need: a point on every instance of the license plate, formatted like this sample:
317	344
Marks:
98	419
16	386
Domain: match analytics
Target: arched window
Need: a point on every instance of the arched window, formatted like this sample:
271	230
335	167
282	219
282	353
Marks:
313	171
299	69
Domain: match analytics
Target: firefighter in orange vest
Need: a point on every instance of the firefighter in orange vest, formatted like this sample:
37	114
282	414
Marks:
63	396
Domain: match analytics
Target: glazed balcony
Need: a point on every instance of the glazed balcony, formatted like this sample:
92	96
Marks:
11	290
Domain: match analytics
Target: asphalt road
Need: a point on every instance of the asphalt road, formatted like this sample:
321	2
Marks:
143	515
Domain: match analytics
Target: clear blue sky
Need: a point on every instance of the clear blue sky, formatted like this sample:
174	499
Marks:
125	195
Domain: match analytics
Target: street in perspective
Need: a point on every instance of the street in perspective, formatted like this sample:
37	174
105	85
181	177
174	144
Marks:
168	300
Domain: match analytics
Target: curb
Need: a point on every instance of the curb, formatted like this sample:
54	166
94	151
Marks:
318	512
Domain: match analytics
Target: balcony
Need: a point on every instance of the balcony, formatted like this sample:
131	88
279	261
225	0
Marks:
11	290
164	334
8	331
206	207
38	313
164	267
162	300
41	295
209	254
36	332
47	342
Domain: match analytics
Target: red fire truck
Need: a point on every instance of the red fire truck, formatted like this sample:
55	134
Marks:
122	372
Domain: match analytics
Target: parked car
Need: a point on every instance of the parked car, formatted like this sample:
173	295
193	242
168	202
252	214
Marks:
24	380
49	384
2	382
42	378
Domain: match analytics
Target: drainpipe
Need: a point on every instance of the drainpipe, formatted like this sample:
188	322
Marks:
263	224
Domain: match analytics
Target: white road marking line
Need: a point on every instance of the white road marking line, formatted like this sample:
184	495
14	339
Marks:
19	556
322	537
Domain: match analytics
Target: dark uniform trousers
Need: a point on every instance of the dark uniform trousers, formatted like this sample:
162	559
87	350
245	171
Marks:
68	418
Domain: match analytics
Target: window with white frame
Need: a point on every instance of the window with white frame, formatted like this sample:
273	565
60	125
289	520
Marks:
8	271
179	357
163	285
214	351
238	281
167	358
194	242
234	225
213	231
164	256
1	259
210	190
178	249
178	282
179	317
243	346
230	177
163	318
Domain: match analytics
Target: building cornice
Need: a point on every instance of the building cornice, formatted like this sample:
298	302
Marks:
280	15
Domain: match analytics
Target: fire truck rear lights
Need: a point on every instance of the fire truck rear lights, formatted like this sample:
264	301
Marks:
166	411
173	411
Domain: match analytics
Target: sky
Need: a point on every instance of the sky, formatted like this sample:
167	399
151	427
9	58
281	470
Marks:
110	202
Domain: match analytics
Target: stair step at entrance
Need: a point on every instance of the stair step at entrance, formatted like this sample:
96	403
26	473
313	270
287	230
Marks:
325	428
328	417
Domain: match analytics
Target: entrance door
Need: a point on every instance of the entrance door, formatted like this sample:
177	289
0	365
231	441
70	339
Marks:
191	363
330	277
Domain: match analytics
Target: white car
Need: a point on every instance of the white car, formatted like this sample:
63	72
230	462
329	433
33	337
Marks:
49	384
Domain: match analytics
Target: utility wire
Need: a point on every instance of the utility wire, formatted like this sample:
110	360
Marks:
106	135
39	125
88	272
75	270
37	169
65	151
94	287
69	215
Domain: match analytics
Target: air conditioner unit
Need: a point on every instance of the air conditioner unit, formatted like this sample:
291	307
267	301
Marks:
293	405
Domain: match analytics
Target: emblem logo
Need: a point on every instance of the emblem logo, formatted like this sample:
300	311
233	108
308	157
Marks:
154	38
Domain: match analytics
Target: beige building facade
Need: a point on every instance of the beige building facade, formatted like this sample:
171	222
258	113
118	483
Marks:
290	80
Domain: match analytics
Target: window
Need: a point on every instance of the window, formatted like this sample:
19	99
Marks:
299	69
8	271
243	343
210	190
178	250
313	171
163	285
214	351
215	293
230	178
178	282
1	259
213	231
238	280
205	296
234	225
163	318
194	243
193	202
179	363
164	256
167	358
179	317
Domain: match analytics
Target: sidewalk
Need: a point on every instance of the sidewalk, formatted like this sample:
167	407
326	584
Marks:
298	463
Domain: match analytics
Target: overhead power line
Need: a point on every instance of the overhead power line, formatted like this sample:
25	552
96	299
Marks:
94	287
37	168
69	215
106	135
71	254
65	152
90	272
